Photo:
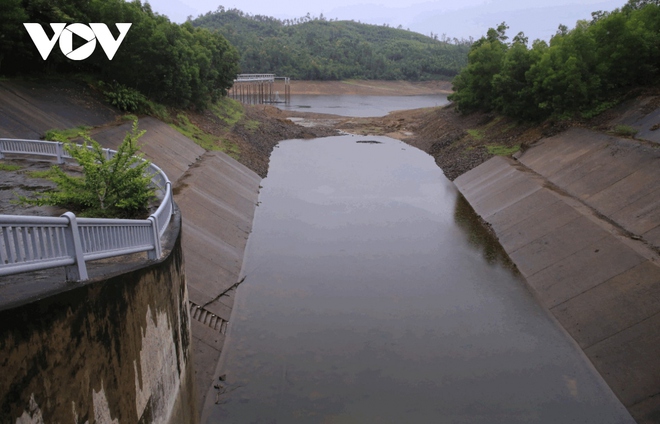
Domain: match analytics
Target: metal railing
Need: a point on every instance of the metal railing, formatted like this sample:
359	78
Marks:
31	243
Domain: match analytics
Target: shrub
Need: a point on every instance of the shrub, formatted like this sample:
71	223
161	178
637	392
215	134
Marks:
118	187
624	130
122	97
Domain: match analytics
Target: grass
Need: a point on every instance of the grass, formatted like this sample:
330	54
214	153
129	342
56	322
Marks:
231	149
228	110
193	132
494	122
204	139
499	150
46	174
9	167
624	130
66	135
476	134
251	125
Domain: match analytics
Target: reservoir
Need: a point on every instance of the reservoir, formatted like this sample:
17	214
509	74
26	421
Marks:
360	106
372	295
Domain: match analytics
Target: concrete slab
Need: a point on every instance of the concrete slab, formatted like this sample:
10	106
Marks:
529	206
516	188
556	246
653	236
584	270
628	361
628	190
598	171
636	114
647	411
490	179
479	180
534	226
613	306
641	215
207	347
173	152
566	148
28	108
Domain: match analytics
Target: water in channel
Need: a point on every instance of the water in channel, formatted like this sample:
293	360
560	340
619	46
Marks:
371	297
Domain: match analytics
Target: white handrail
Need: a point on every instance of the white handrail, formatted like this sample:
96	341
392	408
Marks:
31	243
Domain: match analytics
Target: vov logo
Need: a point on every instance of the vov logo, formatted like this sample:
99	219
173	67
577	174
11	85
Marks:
64	34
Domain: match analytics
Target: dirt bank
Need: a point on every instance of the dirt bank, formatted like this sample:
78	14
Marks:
371	88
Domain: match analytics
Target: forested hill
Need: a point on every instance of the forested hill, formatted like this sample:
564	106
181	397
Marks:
318	49
581	72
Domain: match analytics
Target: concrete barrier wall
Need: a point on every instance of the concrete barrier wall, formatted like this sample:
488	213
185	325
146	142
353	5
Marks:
580	254
114	350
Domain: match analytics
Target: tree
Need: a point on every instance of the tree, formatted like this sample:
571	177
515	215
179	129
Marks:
117	187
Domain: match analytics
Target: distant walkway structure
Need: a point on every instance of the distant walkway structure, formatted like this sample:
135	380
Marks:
261	88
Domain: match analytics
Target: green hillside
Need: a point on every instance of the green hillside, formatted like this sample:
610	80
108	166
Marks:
318	49
581	72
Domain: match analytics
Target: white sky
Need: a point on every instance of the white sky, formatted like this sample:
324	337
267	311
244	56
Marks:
461	19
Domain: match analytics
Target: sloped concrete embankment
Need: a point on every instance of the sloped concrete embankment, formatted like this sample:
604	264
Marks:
217	197
579	214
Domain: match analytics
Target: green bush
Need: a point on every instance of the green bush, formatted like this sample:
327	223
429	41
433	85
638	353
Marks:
112	188
66	135
624	130
122	97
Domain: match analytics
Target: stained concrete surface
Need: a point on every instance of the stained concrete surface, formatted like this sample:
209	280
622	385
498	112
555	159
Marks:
579	215
28	108
616	177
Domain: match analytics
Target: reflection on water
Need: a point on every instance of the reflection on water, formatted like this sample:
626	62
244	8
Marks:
361	106
369	299
478	236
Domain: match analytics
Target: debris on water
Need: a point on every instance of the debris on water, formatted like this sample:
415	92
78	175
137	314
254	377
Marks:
369	142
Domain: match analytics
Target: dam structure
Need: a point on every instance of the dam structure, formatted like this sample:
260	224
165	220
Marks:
139	339
261	88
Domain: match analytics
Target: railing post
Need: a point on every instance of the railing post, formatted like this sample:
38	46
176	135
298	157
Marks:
2	150
60	152
77	271
168	188
157	251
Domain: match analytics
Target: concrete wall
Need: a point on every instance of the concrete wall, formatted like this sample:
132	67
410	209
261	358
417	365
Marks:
578	215
112	350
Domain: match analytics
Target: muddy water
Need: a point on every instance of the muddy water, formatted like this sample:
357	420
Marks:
371	296
361	106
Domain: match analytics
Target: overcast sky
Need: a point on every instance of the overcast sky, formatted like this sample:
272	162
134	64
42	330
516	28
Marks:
468	18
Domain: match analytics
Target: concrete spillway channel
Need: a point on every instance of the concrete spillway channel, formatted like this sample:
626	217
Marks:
579	214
